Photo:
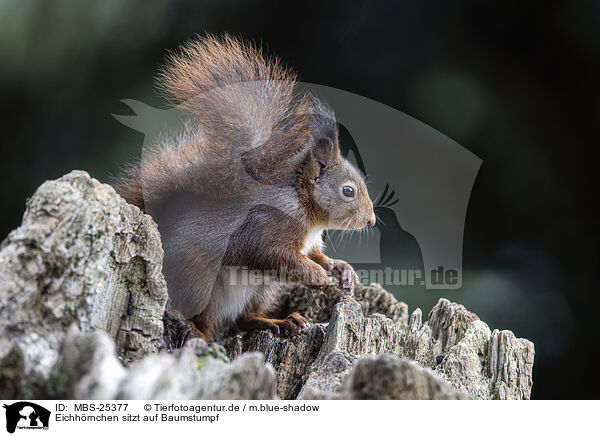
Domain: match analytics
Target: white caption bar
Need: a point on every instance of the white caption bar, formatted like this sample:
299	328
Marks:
300	418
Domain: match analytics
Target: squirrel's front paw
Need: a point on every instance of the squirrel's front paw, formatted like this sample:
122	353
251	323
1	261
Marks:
315	276
344	273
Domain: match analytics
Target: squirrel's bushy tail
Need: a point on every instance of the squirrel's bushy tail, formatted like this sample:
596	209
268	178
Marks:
244	119
233	92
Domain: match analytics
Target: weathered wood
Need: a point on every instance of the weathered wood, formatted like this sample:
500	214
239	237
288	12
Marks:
82	256
82	303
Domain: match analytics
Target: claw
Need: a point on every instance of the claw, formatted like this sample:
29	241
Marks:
288	326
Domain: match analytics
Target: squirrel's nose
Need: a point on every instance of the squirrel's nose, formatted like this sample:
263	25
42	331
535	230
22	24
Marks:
372	219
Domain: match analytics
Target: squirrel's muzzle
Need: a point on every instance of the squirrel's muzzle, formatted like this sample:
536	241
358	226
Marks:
372	219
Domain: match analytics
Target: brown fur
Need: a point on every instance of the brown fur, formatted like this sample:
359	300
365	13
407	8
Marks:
252	178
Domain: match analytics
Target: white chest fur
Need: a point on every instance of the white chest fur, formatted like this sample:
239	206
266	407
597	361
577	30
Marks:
313	239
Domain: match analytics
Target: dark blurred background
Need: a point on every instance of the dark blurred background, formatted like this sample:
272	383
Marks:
515	82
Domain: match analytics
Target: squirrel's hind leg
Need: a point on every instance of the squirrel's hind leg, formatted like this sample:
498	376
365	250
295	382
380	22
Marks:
190	331
179	330
201	325
255	315
288	326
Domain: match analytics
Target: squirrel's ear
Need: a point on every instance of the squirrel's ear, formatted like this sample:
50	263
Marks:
324	152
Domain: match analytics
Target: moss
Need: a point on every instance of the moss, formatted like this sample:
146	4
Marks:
202	363
11	371
69	314
58	386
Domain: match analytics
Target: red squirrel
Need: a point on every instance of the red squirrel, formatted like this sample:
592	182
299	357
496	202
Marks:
247	186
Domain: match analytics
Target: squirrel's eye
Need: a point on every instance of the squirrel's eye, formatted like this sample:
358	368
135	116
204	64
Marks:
348	191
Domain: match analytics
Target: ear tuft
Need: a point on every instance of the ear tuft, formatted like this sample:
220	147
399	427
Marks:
323	152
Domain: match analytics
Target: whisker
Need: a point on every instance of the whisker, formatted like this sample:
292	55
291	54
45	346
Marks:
330	241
